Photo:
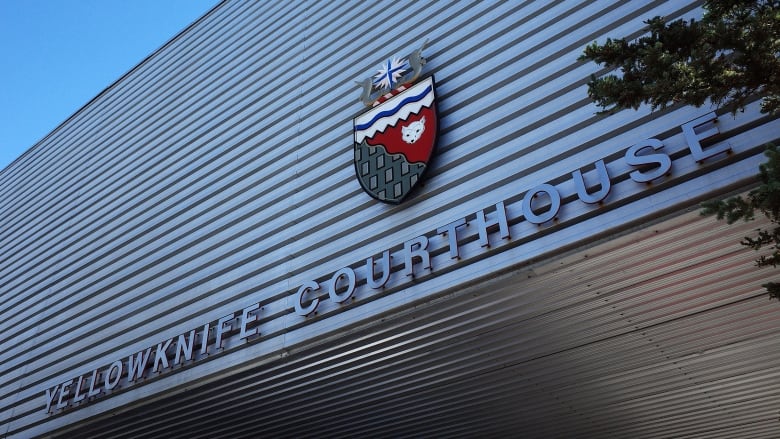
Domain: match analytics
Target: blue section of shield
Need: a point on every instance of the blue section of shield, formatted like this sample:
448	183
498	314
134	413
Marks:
392	111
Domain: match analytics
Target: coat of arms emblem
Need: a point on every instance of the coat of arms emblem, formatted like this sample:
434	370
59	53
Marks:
395	138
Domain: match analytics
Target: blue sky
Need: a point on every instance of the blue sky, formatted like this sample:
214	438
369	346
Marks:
59	54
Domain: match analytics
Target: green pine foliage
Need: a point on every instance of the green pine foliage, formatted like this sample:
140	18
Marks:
766	200
731	57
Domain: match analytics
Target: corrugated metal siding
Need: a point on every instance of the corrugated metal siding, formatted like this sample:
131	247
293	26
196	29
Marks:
549	352
218	173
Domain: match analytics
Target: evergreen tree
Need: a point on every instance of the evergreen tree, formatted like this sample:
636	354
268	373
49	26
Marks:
731	57
765	199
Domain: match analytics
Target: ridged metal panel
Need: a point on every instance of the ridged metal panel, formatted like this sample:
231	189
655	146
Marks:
510	354
218	173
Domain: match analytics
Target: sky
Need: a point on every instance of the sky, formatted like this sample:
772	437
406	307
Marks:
56	55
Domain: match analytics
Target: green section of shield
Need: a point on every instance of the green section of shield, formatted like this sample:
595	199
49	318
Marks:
386	177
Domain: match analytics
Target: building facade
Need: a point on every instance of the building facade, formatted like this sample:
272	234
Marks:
193	254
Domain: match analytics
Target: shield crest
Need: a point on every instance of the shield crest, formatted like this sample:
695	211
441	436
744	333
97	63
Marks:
395	140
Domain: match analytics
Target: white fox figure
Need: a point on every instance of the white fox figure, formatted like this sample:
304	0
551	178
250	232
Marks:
412	132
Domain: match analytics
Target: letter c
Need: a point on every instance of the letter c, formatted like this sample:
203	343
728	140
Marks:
307	287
